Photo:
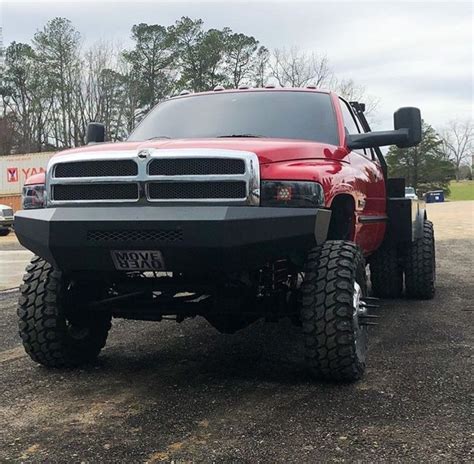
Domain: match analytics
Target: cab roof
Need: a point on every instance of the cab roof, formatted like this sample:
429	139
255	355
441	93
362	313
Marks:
220	90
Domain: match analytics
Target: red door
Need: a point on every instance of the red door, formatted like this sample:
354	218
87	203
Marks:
369	190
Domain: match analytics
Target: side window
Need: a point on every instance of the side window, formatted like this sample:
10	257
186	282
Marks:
353	126
349	121
371	154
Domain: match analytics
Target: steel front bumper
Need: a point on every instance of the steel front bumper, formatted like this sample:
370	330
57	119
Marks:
189	237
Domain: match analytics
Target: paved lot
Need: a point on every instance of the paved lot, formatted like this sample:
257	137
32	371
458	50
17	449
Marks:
13	260
163	392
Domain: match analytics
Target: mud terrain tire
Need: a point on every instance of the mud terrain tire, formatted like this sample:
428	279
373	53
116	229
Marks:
386	272
335	342
420	266
49	337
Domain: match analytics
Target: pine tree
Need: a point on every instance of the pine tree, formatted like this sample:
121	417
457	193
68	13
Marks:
424	167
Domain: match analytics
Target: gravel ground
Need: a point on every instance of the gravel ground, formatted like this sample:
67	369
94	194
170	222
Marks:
164	392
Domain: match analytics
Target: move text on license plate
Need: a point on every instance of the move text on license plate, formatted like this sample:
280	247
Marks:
138	260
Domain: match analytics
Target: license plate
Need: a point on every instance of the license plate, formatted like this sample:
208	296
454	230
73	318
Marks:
138	260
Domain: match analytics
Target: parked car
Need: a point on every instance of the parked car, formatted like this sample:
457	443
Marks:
411	193
6	220
232	205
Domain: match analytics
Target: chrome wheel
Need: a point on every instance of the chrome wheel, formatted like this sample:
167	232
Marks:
359	323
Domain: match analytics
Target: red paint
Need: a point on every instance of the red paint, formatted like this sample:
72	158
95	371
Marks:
337	169
268	150
36	179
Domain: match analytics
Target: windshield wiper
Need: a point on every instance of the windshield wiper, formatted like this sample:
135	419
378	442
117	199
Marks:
219	136
242	135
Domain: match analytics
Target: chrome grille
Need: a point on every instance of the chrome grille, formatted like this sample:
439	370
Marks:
94	192
153	235
195	166
100	168
196	190
228	177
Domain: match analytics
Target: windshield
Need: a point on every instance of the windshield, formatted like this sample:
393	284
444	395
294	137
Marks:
409	190
292	115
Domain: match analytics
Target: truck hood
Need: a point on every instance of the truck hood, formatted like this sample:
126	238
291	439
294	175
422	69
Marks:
35	179
267	150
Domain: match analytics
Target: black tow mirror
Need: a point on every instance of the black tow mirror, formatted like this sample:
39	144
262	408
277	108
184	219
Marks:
95	133
407	133
408	118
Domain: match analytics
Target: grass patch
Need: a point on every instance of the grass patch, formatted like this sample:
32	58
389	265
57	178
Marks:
463	190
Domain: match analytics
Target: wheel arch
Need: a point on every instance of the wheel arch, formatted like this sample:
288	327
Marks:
406	219
420	217
342	224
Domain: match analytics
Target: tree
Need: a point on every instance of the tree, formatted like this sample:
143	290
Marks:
57	48
294	68
260	70
98	59
465	172
7	134
210	51
52	88
113	109
151	62
240	58
20	94
200	53
424	166
458	143
351	91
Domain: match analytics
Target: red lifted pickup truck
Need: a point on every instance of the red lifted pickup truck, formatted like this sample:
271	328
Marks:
232	205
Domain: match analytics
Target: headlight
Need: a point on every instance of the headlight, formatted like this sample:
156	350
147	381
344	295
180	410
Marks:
33	196
298	194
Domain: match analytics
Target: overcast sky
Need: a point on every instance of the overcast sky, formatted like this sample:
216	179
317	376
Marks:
404	53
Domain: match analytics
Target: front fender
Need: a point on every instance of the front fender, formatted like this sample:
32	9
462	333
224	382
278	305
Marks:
406	218
333	175
419	216
36	179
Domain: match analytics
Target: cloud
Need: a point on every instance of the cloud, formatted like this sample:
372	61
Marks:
404	53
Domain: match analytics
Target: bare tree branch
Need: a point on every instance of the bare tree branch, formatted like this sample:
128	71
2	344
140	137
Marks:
295	68
458	142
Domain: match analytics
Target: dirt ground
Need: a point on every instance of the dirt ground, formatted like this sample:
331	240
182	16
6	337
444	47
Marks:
453	220
163	392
